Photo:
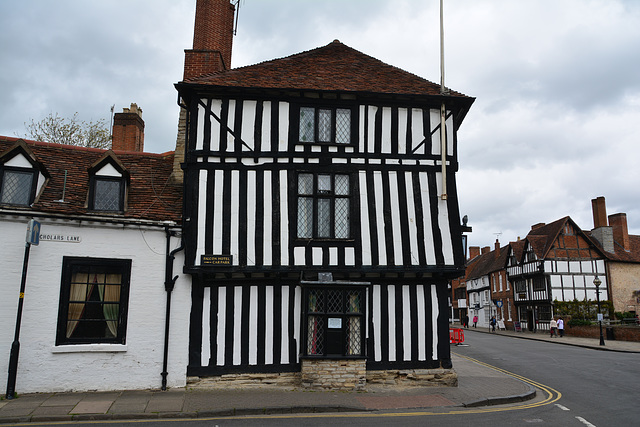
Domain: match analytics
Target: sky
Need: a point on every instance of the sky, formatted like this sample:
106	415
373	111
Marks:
556	82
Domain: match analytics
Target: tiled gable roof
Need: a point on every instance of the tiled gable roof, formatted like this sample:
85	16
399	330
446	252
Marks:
334	67
150	196
619	254
488	263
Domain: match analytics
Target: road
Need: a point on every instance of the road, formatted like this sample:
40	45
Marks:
584	387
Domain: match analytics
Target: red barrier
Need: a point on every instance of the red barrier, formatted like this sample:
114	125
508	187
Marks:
456	336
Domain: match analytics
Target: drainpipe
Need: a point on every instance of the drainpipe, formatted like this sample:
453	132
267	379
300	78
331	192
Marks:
169	284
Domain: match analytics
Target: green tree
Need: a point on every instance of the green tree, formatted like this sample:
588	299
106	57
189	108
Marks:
71	131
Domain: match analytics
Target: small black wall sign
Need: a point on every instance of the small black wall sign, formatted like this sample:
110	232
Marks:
216	260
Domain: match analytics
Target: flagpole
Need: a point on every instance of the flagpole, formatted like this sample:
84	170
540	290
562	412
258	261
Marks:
443	110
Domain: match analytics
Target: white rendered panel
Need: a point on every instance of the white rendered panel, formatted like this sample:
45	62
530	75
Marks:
284	219
382	248
349	256
106	170
268	326
297	303
443	224
402	130
395	218
283	131
426	216
422	322
299	255
434	116
251	217
253	325
386	130
216	108
248	124
364	220
361	129
222	325
391	310
202	214
202	116
268	220
417	131
406	322
435	311
316	256
411	211
237	324
230	124
333	256
217	211
377	335
284	349
235	215
266	126
20	161
206	332
371	135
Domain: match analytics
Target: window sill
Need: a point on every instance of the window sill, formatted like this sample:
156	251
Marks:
89	348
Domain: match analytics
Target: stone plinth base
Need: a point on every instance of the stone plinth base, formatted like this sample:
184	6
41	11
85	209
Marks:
330	374
283	379
414	377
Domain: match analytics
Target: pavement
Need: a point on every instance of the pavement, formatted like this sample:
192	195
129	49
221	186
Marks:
478	385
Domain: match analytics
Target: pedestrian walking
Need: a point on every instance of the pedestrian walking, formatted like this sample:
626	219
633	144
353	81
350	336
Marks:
553	326
560	327
475	321
466	321
493	324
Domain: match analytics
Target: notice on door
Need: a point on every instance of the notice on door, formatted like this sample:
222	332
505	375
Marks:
335	323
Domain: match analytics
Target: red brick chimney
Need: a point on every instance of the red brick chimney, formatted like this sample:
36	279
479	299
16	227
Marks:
474	251
620	231
128	130
497	248
212	39
538	225
486	250
599	208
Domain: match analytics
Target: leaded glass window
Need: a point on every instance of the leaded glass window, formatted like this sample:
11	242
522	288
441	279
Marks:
324	205
108	194
334	321
325	125
17	187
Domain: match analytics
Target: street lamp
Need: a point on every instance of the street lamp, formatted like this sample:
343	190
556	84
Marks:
598	282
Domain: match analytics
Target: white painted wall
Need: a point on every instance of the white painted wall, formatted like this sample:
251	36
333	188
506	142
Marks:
43	367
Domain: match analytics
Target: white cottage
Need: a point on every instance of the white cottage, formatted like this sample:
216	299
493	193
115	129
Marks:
98	283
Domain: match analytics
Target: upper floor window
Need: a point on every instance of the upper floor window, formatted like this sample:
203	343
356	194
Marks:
107	194
107	187
20	175
18	186
325	125
93	301
324	204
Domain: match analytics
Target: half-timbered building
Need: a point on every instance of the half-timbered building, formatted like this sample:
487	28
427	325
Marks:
320	220
557	261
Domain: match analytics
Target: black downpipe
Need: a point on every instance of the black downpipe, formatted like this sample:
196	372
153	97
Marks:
169	284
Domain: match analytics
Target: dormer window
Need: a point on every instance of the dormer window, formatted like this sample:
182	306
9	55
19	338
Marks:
107	187
17	186
325	125
19	177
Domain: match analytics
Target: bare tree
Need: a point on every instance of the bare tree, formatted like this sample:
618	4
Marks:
71	131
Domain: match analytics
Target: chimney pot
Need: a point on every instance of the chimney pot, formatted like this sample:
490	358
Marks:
599	208
620	231
128	130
